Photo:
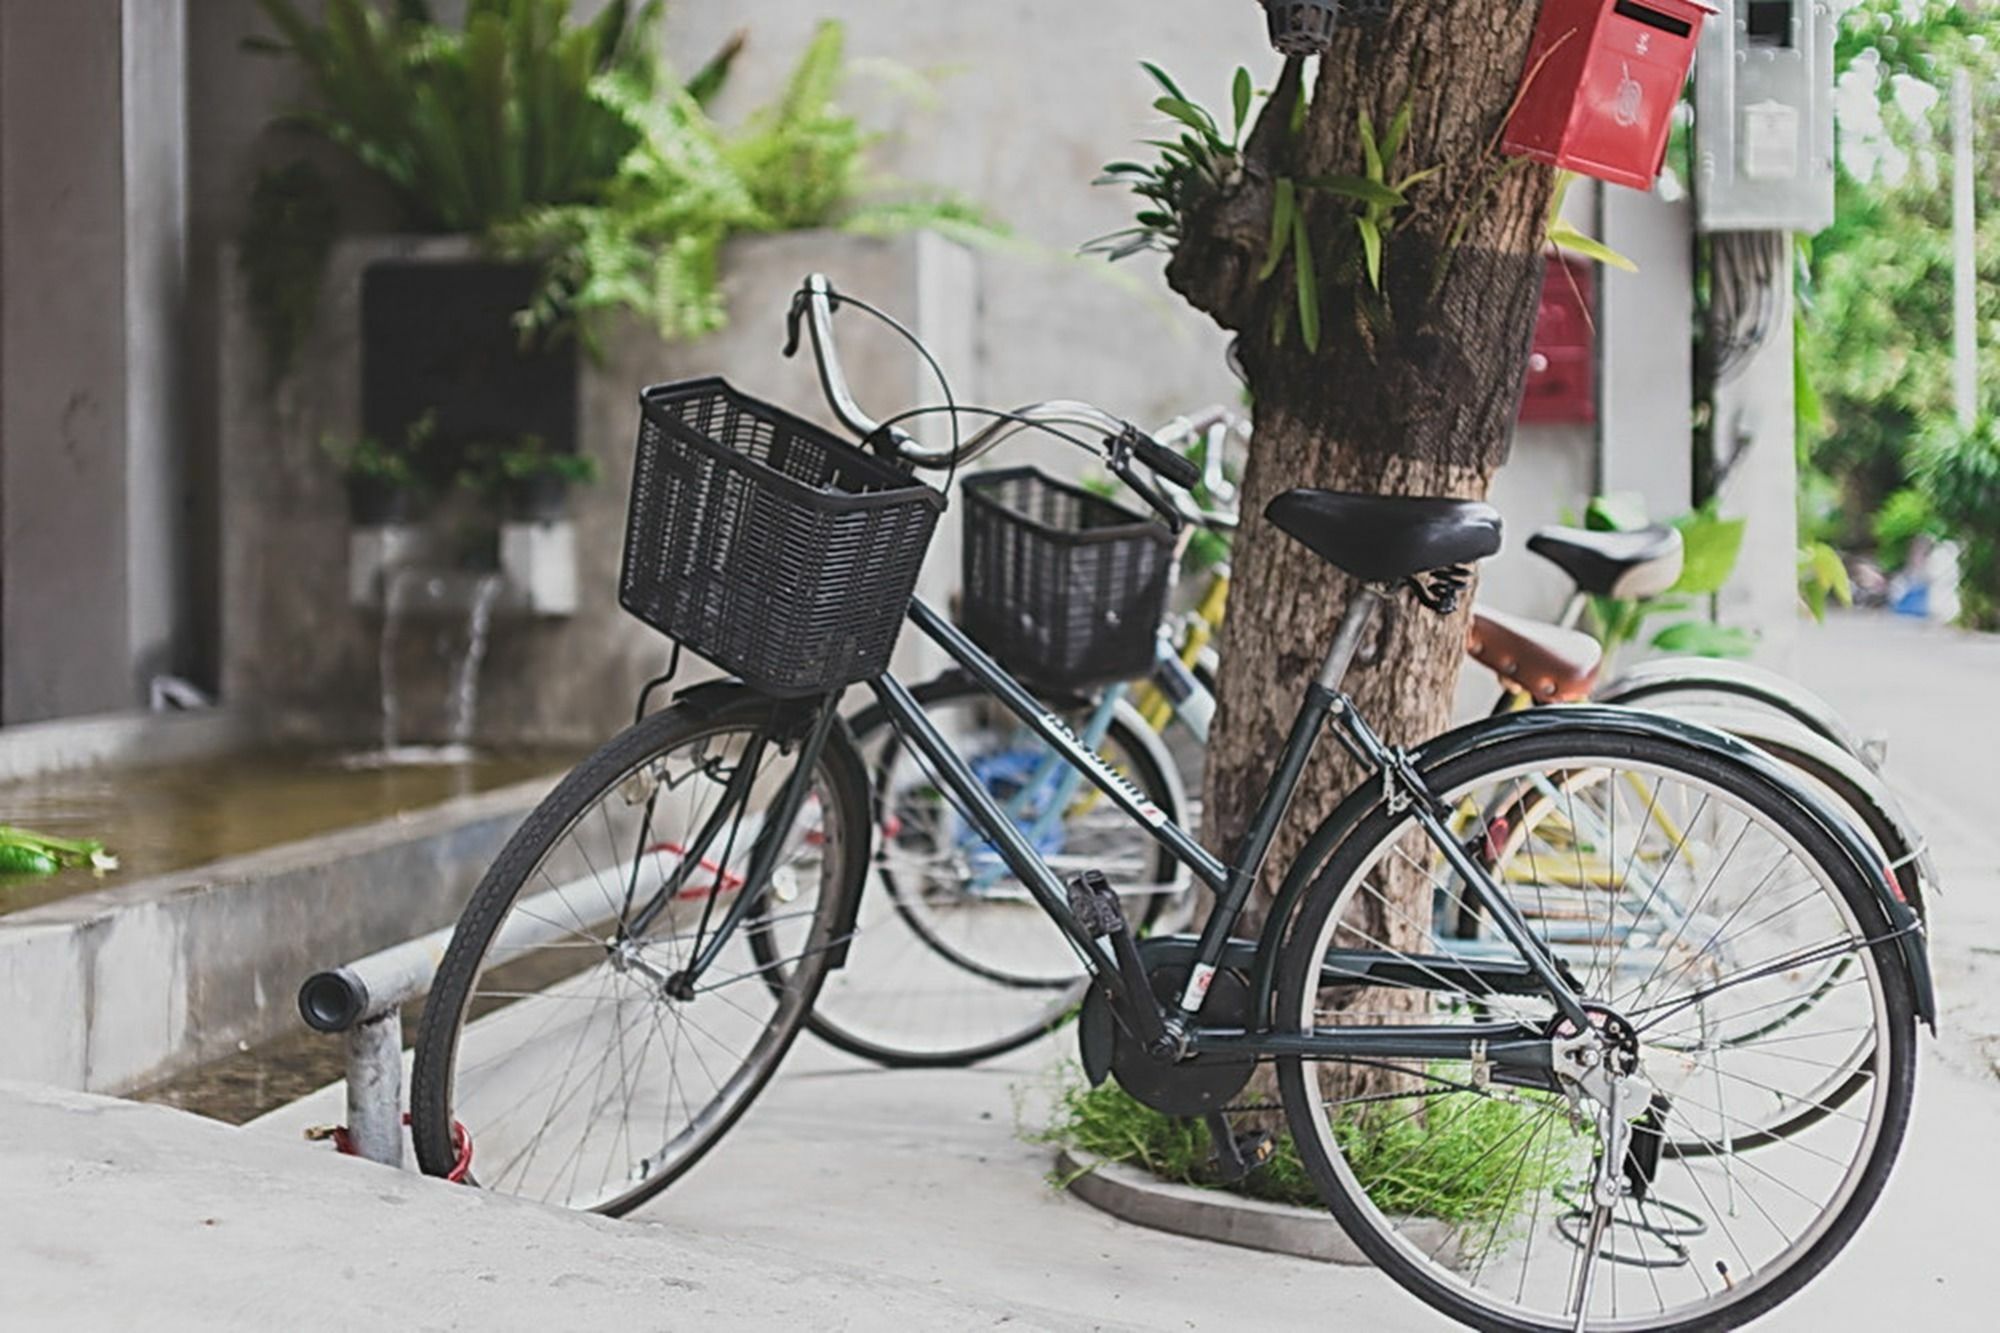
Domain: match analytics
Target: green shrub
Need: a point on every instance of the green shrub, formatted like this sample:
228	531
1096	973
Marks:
1440	1164
470	126
1905	516
1959	471
569	146
1712	544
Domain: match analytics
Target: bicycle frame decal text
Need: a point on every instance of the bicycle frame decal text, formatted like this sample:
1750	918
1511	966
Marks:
1151	814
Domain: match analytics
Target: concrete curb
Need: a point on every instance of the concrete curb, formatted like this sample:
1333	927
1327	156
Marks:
1131	1195
123	987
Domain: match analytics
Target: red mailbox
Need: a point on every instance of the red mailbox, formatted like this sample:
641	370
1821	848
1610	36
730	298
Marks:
1562	369
1602	80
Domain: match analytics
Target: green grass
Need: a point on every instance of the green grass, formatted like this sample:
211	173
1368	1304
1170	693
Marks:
1442	1165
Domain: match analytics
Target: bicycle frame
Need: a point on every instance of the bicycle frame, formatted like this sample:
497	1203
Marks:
1520	1048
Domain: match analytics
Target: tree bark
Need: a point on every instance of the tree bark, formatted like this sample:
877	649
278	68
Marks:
1413	388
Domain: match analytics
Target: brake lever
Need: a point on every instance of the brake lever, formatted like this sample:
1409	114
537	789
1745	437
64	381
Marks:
792	321
1148	489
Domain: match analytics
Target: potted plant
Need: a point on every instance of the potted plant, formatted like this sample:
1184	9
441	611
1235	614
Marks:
385	484
529	479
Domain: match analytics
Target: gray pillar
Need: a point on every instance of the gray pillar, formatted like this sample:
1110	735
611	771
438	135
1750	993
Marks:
92	253
1756	424
1645	332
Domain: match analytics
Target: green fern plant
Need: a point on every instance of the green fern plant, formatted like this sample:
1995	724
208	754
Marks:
469	127
1198	164
652	243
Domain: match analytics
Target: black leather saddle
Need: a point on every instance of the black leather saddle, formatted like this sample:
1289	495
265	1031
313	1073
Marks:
1643	562
1387	538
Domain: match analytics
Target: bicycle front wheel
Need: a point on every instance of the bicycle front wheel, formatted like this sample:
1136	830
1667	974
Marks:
1688	896
562	1034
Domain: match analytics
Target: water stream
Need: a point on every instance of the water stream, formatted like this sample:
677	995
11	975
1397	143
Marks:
416	602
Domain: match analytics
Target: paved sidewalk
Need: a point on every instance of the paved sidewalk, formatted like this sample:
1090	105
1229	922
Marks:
119	1215
1934	694
854	1198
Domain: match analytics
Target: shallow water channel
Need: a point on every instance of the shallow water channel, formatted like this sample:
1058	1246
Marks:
176	817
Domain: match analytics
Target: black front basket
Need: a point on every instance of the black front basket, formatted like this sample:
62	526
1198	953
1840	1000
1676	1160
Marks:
773	548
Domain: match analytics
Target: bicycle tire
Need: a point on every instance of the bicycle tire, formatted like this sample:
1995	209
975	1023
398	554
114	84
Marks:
1338	876
640	751
826	1023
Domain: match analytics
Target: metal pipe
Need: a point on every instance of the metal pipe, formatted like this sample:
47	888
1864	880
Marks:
340	998
364	1000
375	1088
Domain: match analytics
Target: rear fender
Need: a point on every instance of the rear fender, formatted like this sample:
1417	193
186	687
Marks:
1491	731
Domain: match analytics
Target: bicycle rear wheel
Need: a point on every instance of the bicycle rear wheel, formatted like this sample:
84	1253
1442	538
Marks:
1513	1207
558	1032
952	961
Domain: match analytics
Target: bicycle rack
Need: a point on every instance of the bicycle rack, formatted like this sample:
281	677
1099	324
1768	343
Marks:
363	1001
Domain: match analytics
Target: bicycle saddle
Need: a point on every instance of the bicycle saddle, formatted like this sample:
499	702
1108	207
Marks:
1548	662
1384	538
1644	562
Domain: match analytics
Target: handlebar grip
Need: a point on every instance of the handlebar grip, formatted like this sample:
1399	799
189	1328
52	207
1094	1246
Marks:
793	317
1174	467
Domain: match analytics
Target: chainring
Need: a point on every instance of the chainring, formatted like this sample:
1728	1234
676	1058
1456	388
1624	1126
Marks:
1191	1087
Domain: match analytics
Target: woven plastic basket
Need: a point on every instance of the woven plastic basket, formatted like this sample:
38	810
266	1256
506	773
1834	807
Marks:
1064	587
773	548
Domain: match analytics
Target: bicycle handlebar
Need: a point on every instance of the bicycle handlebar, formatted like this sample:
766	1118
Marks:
813	307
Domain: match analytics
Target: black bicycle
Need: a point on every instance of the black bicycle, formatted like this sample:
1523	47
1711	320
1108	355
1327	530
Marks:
633	968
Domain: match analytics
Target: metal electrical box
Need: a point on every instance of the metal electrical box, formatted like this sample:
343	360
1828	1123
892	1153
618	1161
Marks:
1763	117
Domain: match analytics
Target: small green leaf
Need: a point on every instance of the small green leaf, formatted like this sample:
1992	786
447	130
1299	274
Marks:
1417	178
1308	282
1371	249
1713	546
1283	201
1356	187
1703	639
1167	85
1563	236
1242	92
1369	150
1399	129
1190	115
1822	574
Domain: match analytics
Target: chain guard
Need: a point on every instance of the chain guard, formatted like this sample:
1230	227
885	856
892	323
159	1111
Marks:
1192	1087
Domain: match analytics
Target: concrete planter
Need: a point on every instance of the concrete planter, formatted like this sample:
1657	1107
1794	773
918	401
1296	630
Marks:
1231	1219
299	653
116	990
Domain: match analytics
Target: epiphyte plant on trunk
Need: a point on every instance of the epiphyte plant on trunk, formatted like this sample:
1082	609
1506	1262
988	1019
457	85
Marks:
1408	253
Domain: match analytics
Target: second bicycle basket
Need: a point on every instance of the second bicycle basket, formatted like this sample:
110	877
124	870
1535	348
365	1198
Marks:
1064	587
770	546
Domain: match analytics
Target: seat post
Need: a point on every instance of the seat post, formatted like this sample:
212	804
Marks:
1347	639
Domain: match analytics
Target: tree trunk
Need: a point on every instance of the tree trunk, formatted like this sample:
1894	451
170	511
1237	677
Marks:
1413	388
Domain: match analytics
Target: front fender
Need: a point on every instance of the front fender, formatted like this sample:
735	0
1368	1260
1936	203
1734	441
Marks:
720	699
1491	731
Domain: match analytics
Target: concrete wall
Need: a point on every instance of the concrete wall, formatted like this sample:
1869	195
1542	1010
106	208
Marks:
1031	97
1755	437
118	990
92	255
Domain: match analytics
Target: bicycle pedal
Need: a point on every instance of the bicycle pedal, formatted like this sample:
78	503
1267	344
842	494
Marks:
1095	905
1237	1155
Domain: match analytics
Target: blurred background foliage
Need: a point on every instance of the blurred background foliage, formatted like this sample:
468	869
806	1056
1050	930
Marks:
1880	452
